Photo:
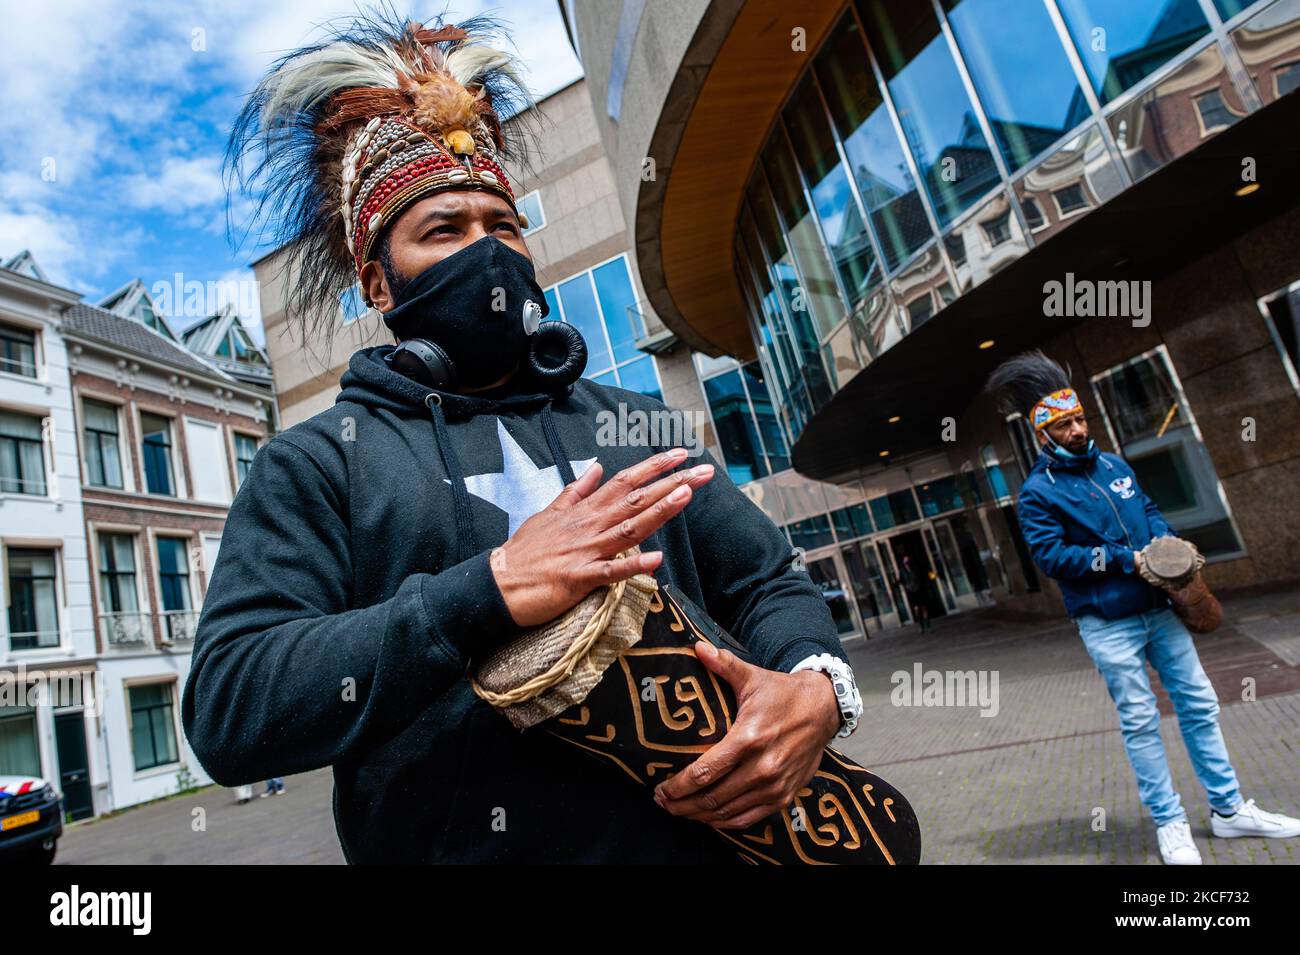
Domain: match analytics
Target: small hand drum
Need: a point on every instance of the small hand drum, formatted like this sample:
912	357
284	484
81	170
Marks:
618	678
1175	565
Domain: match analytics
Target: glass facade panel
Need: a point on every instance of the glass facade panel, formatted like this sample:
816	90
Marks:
742	451
821	293
827	578
1269	44
851	522
1122	42
875	155
640	375
1155	433
1020	72
1165	121
891	510
944	494
581	311
846	232
810	534
937	117
803	336
766	417
618	304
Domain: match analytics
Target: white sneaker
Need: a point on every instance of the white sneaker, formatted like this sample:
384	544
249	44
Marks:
1176	845
1250	820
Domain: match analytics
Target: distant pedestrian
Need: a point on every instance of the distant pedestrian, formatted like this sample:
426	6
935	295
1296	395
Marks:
273	785
912	583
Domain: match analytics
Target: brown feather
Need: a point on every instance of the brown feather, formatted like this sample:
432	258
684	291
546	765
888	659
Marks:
364	103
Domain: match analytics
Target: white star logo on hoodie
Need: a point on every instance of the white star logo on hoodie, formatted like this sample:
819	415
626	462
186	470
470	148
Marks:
520	488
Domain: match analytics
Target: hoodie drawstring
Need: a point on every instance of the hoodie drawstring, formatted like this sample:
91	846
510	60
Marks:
466	539
553	443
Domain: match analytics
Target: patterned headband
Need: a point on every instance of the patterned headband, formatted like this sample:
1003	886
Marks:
1054	407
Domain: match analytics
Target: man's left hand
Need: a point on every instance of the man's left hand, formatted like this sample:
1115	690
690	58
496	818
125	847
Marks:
783	722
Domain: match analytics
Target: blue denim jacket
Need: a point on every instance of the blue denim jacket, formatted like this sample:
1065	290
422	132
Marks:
1082	518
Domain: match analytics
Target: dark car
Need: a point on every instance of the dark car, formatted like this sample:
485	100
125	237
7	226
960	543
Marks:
31	819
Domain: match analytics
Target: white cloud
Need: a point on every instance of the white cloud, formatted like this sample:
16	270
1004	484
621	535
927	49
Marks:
179	185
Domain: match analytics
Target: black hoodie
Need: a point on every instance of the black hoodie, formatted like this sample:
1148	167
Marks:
352	588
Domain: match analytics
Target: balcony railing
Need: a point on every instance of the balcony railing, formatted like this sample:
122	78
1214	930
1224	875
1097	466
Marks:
179	625
34	640
126	628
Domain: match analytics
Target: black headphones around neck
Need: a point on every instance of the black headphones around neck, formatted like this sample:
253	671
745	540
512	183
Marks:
556	358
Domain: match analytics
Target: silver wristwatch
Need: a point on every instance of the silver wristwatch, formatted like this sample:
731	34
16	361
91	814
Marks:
846	688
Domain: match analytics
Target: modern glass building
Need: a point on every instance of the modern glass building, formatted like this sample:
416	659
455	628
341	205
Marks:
860	208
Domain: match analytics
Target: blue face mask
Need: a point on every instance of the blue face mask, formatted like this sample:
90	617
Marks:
1070	455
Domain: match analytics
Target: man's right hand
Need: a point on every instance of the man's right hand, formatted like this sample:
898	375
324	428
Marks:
568	549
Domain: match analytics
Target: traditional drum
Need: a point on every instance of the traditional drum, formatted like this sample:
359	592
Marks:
618	677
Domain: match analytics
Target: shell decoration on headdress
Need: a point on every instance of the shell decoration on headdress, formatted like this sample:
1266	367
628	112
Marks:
339	138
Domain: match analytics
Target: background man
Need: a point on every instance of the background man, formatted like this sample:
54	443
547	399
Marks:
1085	519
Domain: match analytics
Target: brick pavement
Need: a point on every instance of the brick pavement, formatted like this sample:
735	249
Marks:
1018	787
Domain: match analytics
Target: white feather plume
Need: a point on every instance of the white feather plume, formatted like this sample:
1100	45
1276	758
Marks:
300	85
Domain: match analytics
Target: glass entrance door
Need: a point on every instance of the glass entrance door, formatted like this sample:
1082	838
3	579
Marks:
870	583
830	578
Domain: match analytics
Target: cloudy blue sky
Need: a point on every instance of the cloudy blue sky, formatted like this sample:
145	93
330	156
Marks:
113	125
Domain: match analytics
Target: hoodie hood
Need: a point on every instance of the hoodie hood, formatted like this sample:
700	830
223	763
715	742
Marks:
372	382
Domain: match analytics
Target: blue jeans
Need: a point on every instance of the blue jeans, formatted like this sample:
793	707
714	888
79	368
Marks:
1120	649
274	784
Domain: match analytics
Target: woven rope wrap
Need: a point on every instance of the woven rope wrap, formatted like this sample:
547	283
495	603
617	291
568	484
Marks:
555	666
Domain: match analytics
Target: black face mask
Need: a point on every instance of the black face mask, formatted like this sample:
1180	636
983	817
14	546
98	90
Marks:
480	306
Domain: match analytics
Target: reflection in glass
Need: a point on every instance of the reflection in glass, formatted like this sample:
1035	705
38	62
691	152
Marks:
814	148
991	239
869	586
917	289
1230	8
734	426
1167	120
786	282
827	578
769	423
1269	43
640	375
618	304
1121	42
774	336
1154	431
581	311
894	509
1004	43
933	109
1081	175
871	144
822	294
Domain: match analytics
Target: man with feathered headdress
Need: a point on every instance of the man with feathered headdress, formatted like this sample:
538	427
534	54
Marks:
1088	523
452	498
